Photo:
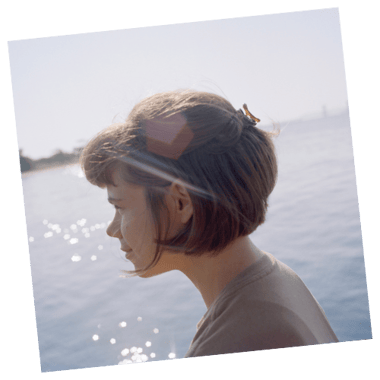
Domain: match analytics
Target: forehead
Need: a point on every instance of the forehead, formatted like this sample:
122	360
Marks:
124	190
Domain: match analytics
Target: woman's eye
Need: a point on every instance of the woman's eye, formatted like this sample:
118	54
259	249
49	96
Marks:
117	207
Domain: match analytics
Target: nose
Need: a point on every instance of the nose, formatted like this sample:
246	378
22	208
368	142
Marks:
113	230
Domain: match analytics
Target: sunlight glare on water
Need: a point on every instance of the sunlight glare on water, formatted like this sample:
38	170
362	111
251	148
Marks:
76	258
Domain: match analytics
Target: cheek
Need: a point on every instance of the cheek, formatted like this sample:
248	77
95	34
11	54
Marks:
136	228
127	224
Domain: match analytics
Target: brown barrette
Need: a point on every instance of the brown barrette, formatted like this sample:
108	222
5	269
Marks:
247	113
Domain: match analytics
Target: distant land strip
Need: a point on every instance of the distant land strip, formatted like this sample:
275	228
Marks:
59	158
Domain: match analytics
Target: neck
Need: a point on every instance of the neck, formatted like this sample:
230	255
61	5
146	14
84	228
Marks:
211	274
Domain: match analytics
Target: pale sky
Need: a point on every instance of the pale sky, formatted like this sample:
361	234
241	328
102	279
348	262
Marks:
284	66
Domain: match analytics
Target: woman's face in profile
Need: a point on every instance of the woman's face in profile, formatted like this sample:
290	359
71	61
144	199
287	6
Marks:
133	226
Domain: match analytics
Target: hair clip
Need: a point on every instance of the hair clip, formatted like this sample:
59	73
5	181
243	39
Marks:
247	113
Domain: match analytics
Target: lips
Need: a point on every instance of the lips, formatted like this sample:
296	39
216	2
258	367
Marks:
127	253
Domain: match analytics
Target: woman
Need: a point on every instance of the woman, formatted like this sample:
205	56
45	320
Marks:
189	177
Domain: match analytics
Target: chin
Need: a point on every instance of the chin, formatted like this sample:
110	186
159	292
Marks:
146	275
155	271
150	273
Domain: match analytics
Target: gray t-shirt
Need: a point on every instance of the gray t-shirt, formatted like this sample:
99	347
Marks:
265	306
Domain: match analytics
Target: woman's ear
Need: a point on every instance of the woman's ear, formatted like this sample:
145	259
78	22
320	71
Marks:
182	204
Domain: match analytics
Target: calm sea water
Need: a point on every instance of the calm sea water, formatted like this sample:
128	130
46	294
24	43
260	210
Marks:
88	316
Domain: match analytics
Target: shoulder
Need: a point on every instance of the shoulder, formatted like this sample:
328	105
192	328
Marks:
256	311
264	326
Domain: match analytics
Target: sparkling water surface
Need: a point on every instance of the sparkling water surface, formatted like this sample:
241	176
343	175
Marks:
88	316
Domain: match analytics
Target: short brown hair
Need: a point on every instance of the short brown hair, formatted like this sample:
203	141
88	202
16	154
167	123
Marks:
228	164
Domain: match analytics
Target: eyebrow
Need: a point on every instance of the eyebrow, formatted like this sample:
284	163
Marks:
113	200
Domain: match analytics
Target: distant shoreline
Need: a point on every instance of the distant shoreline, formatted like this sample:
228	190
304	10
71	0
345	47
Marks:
47	168
58	159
